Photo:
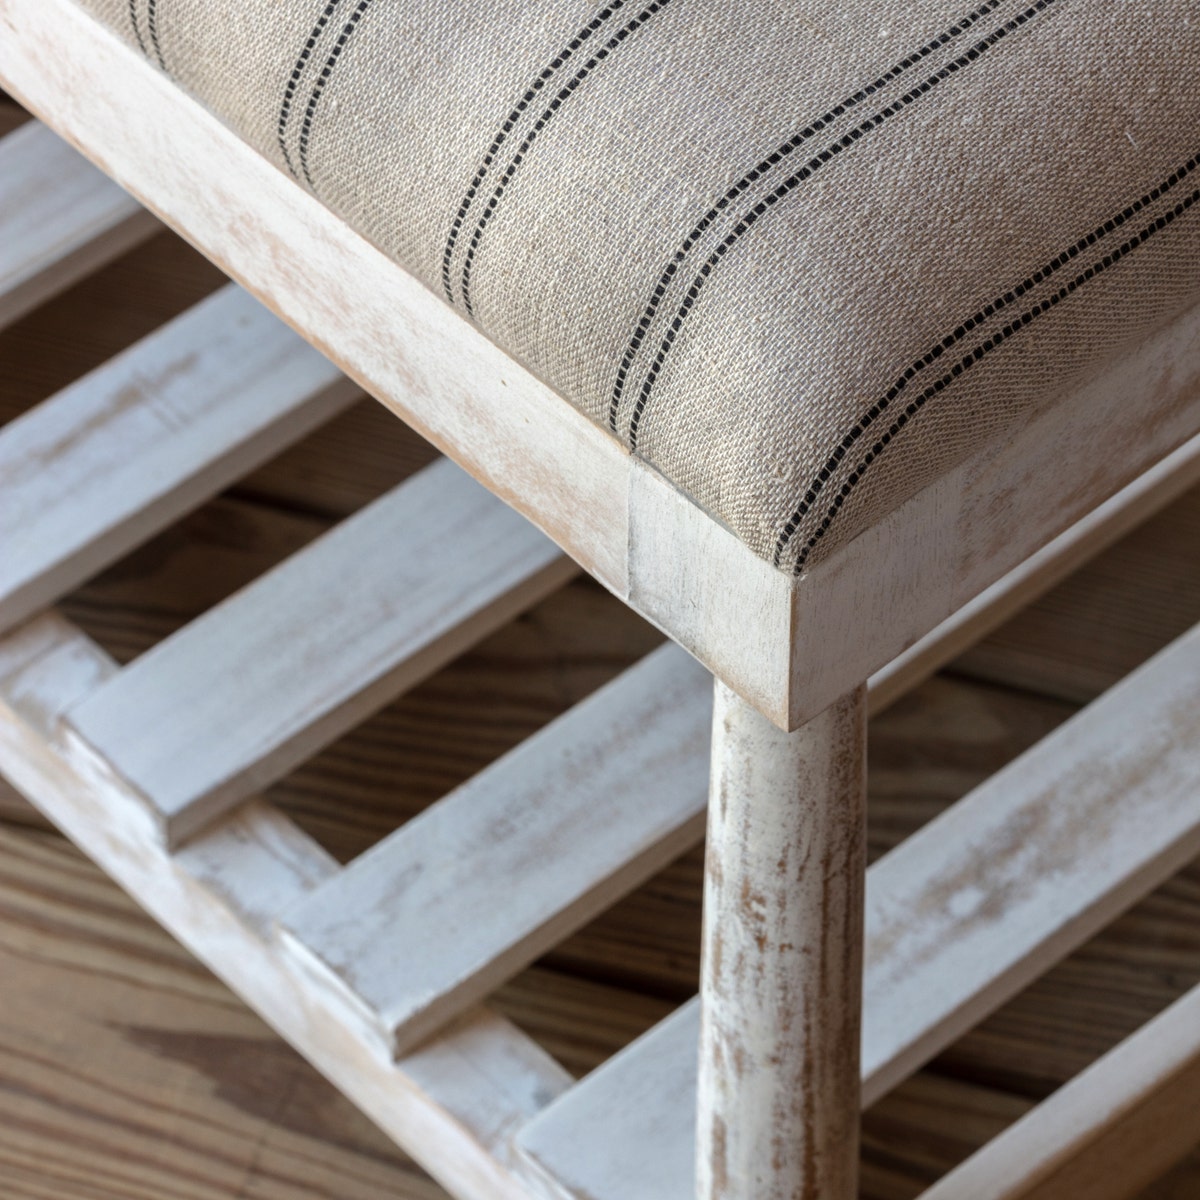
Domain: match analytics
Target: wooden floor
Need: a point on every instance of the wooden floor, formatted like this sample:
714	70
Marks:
128	1072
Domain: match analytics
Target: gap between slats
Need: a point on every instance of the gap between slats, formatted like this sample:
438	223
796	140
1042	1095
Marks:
1107	1134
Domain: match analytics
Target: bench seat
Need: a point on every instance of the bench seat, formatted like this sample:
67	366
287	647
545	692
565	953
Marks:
802	259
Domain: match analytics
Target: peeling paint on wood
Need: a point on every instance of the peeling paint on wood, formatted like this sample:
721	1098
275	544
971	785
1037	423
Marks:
781	989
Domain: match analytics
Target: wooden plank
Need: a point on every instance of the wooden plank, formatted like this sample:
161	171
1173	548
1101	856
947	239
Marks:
133	445
788	647
411	934
452	1104
285	666
960	917
60	219
1106	1134
641	1101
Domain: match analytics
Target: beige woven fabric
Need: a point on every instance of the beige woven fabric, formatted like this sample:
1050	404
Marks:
802	256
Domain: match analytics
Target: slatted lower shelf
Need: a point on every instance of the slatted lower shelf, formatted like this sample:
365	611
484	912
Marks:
960	917
379	971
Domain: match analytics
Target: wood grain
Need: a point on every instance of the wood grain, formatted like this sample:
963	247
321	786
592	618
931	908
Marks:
128	1072
928	1125
777	1097
452	1102
153	1081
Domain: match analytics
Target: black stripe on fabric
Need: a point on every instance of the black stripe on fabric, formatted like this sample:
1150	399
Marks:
152	27
758	171
506	128
289	92
978	354
559	100
814	164
137	33
999	304
322	80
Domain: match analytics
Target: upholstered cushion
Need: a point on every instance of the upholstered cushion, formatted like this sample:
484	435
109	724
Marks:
801	256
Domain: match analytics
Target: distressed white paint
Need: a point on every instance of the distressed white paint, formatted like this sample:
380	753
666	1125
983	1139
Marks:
1122	513
60	219
453	1104
789	648
1059	843
782	973
124	451
234	700
463	896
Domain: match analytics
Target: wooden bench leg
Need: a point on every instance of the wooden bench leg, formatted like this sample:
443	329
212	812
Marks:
781	986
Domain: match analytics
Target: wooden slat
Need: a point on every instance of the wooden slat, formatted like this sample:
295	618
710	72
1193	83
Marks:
282	668
475	888
125	450
452	1104
1106	1134
60	219
960	917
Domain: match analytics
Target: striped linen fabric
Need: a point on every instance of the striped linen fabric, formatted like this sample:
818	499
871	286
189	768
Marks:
802	256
